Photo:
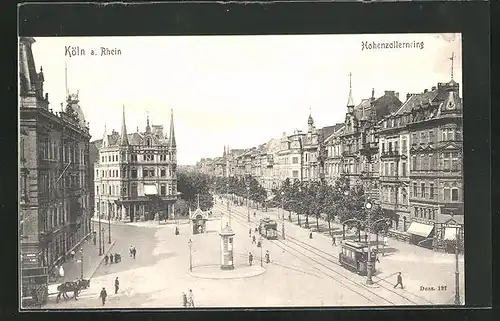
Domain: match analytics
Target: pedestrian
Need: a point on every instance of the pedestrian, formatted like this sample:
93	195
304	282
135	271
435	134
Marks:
250	258
254	214
191	298
253	240
103	296
134	251
184	300
61	271
130	250
106	258
94	237
310	234
72	254
268	258
334	241
250	232
176	230
111	257
117	285
400	281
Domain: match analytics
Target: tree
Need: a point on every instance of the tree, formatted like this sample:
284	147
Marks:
193	184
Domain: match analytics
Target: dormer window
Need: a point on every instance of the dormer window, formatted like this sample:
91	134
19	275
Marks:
148	141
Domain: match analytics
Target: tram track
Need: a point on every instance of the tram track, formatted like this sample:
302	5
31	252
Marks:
328	258
325	270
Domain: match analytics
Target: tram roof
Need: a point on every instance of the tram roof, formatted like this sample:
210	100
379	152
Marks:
355	244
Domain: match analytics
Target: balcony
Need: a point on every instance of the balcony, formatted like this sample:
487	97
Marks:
390	178
390	154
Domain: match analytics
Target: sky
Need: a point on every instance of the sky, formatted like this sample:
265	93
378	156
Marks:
239	91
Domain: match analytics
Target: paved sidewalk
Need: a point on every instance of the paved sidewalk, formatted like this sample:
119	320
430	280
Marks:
73	268
152	224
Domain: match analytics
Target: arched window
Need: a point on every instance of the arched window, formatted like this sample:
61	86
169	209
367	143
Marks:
148	141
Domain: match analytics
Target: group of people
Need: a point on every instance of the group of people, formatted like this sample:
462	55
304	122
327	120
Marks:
112	258
104	294
259	244
132	251
188	302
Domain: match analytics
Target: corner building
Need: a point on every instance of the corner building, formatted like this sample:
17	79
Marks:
136	174
54	179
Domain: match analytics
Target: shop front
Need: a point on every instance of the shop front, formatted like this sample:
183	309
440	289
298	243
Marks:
421	234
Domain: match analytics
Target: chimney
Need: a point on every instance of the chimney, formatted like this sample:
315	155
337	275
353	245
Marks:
389	92
425	90
373	92
433	87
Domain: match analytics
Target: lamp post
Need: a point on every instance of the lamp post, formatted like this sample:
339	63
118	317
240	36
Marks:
81	263
99	210
102	231
282	216
369	265
457	271
190	244
109	223
248	203
261	246
346	193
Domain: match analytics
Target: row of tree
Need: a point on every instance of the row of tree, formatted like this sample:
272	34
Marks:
244	187
333	202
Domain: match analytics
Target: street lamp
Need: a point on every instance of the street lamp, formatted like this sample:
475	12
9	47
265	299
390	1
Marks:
109	223
81	263
102	236
248	204
190	244
457	271
369	266
282	216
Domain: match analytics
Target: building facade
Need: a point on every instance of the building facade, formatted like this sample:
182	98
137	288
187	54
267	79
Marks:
55	187
422	152
136	174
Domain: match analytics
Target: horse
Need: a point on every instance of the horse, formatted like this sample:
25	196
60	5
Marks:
71	286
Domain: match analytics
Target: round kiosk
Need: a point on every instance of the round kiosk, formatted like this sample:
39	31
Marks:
226	238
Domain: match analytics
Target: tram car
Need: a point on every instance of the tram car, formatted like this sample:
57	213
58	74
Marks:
268	228
354	256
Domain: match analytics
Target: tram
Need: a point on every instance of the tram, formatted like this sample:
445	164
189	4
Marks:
354	256
268	228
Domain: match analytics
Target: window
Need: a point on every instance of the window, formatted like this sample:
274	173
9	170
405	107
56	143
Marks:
295	160
163	190
386	169
392	169
148	141
446	194
396	146
109	190
454	194
404	195
432	137
102	159
414	162
430	163
134	173
133	190
151	173
162	172
415	212
383	147
446	161
148	157
455	162
124	191
109	158
390	147
431	191
415	190
403	147
425	163
424	192
295	174
133	158
458	134
403	169
414	138
145	173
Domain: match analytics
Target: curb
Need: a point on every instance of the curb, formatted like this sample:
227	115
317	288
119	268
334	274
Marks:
102	259
260	272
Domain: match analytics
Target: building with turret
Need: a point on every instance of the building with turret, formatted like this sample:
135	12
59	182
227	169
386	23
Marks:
135	175
55	201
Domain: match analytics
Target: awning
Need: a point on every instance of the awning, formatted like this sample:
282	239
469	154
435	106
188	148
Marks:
150	190
450	233
420	229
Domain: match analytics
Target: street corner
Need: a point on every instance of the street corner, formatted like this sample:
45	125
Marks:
214	272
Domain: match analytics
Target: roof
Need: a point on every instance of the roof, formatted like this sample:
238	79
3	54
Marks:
339	129
362	110
133	139
386	104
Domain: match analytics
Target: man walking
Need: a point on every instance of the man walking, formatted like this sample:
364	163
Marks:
106	259
250	258
184	300
134	251
130	250
111	257
268	257
191	298
334	242
400	281
103	296
117	285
